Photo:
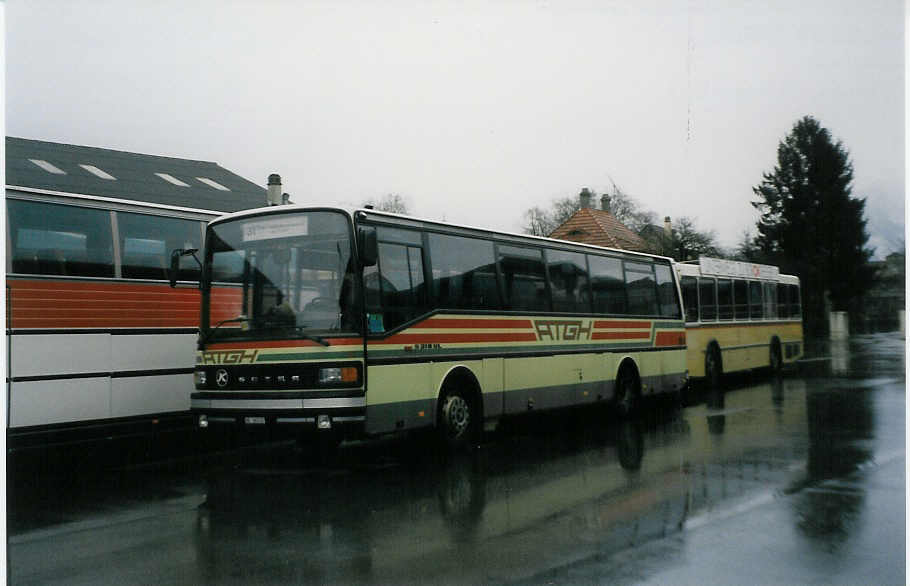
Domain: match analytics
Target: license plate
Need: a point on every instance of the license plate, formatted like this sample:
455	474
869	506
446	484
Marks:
254	420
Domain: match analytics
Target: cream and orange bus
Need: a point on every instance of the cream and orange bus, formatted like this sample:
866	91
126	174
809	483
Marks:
363	323
739	316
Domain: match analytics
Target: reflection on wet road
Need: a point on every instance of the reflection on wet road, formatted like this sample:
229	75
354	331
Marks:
569	498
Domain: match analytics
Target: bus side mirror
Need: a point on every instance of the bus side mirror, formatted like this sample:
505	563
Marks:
369	247
175	263
175	267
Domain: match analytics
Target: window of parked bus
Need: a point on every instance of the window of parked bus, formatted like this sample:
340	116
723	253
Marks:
53	239
755	300
770	300
741	299
724	299
608	286
641	287
568	274
524	278
796	309
689	286
464	273
666	292
146	243
783	304
707	299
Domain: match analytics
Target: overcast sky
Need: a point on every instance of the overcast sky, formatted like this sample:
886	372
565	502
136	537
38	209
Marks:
475	112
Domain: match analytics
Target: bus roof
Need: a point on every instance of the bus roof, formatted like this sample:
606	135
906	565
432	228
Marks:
719	267
411	221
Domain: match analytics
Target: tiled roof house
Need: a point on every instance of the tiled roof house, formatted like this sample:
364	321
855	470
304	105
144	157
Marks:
599	227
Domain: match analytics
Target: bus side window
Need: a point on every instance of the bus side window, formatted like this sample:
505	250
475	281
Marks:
796	309
707	296
146	242
607	285
568	281
741	299
724	299
666	292
641	288
689	287
755	300
464	273
524	280
53	239
771	300
783	306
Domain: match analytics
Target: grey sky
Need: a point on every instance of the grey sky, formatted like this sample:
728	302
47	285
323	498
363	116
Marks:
475	111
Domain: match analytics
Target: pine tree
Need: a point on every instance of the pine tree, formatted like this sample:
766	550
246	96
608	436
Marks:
811	226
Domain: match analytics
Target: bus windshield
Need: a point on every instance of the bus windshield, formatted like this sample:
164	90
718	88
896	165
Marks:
292	276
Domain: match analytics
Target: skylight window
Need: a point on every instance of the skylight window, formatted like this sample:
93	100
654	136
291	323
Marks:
211	183
48	167
172	179
98	172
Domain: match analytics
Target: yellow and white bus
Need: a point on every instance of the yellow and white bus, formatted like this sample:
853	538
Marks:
739	316
364	323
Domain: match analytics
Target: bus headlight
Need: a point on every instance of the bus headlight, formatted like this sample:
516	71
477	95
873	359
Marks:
334	375
199	378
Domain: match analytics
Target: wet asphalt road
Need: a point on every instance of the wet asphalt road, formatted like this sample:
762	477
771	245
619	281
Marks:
792	481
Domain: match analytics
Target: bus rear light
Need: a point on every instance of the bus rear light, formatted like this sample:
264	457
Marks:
323	422
200	378
203	421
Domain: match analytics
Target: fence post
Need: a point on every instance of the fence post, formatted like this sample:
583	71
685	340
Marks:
839	325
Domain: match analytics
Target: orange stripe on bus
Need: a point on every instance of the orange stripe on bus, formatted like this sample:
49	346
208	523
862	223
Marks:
456	323
670	339
619	335
622	324
457	338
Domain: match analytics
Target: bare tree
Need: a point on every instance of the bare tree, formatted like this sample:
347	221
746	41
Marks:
391	202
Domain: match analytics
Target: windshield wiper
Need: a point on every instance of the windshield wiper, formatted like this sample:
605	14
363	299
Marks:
208	335
298	330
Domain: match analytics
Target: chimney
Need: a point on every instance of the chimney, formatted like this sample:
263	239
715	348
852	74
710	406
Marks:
273	195
668	228
605	202
585	198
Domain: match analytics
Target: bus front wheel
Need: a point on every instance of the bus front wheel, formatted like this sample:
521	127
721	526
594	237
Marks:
458	419
713	367
628	392
776	361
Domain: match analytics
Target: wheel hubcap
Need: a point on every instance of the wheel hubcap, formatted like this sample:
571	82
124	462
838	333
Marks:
457	415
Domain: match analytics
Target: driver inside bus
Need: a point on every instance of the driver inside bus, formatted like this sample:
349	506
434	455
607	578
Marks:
281	313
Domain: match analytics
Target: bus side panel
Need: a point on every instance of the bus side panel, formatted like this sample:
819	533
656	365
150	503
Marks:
744	346
47	402
492	387
399	396
147	395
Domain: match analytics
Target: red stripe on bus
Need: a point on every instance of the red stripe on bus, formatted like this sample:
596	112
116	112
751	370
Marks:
457	338
622	324
56	304
282	344
456	323
670	339
619	335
